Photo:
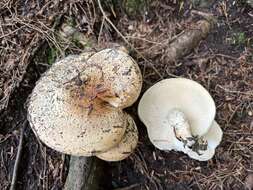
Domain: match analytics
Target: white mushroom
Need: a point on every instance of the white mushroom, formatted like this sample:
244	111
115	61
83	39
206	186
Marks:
76	107
179	115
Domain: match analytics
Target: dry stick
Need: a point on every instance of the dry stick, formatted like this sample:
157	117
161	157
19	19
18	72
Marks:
126	41
15	170
187	41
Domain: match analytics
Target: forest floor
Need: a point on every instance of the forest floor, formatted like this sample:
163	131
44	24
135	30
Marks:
222	63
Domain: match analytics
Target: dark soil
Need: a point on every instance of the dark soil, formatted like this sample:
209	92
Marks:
222	63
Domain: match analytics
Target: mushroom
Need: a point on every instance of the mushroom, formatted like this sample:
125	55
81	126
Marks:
179	115
76	107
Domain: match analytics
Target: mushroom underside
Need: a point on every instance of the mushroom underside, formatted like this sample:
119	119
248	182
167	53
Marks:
179	115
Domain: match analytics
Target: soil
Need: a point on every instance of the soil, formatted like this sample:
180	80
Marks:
222	63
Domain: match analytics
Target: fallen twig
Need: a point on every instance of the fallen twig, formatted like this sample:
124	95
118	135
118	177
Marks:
16	165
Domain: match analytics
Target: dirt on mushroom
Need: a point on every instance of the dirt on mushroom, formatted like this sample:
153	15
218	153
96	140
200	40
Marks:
222	63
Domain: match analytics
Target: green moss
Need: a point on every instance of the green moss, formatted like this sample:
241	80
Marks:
88	44
71	21
239	38
134	7
51	55
81	41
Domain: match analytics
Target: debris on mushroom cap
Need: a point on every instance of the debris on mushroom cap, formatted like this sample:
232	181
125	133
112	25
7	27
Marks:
75	107
178	113
213	138
125	146
199	148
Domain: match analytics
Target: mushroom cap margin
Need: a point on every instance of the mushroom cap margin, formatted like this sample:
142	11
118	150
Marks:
125	146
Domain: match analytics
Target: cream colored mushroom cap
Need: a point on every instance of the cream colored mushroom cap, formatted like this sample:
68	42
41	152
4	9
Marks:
121	74
64	126
183	94
125	146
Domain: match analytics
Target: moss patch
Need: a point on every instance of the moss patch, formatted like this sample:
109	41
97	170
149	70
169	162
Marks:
51	55
134	7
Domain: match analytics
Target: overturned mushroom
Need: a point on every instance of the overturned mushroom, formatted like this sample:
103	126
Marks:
179	115
76	107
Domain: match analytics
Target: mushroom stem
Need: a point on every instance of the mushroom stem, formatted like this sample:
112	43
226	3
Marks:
84	173
177	119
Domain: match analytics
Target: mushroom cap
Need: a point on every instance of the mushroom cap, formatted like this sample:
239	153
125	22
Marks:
213	137
121	74
125	146
176	93
62	117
